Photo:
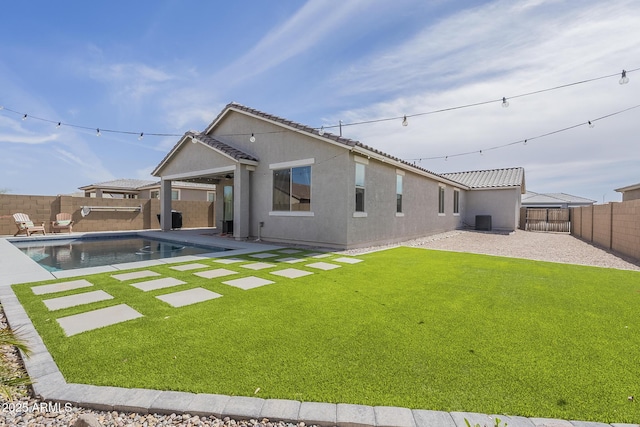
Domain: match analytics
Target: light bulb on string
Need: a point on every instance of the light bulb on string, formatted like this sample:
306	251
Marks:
58	125
591	124
481	152
321	131
98	132
525	142
24	117
252	138
505	103
141	136
405	122
623	78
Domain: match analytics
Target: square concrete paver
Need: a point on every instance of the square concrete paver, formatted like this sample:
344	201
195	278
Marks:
135	275
60	287
263	255
152	285
187	267
291	260
188	297
227	260
212	274
348	260
258	266
95	319
248	282
289	251
291	273
323	266
318	255
77	299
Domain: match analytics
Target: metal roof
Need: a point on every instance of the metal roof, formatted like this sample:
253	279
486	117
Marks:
493	178
531	197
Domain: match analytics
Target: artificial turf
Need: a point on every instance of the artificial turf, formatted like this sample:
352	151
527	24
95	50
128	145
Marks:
406	327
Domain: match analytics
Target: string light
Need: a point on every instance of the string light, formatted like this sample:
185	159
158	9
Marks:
252	138
591	123
141	136
624	79
98	132
58	125
525	142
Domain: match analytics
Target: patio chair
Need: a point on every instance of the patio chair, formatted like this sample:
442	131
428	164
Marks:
26	226
63	222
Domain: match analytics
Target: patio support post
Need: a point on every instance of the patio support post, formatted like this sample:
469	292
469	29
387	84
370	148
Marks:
241	190
165	204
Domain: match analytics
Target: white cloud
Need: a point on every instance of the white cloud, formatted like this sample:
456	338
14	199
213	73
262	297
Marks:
133	81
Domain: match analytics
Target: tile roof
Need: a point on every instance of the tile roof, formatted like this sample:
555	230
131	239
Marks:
532	197
120	184
494	178
308	129
220	146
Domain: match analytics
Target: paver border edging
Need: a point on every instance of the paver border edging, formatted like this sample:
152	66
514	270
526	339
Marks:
49	385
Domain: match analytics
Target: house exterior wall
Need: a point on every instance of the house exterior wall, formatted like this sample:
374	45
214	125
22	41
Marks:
502	204
382	224
195	157
328	224
186	194
631	195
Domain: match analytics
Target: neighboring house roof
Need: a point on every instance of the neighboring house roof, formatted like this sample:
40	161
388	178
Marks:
628	188
119	184
531	197
494	178
133	185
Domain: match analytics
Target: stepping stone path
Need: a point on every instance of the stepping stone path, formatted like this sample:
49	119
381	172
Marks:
323	266
135	275
95	319
258	266
152	285
60	287
187	267
248	282
103	317
212	274
291	273
77	299
188	297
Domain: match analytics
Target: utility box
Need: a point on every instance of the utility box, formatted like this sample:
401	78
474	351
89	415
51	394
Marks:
483	222
176	219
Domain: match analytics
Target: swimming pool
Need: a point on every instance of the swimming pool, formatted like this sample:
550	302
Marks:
70	254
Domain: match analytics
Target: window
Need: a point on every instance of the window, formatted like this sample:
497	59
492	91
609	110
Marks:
398	193
456	202
175	194
441	200
292	189
211	196
359	187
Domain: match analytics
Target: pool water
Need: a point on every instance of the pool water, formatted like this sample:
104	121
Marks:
70	254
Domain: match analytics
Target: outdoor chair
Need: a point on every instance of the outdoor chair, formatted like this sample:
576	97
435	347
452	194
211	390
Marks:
26	226
63	222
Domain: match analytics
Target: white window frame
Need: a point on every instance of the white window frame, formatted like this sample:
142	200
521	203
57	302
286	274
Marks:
400	175
290	165
361	162
456	202
442	189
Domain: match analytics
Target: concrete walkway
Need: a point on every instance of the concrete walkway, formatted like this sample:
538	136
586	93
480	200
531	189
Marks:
50	385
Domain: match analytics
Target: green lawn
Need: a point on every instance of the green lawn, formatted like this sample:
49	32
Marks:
405	327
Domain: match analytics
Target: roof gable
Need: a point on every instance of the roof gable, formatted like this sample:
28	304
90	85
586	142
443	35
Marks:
532	197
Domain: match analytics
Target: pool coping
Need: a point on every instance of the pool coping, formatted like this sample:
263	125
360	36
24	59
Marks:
49	385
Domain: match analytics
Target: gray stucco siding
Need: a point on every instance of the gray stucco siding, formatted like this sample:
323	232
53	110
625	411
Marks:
502	204
195	157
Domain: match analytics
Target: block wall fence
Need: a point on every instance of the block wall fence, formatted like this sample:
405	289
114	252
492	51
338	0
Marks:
614	226
45	208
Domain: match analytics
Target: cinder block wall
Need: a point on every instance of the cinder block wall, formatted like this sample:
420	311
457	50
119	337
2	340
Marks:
614	226
44	209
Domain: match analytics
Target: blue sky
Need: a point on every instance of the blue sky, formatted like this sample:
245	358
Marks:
167	66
